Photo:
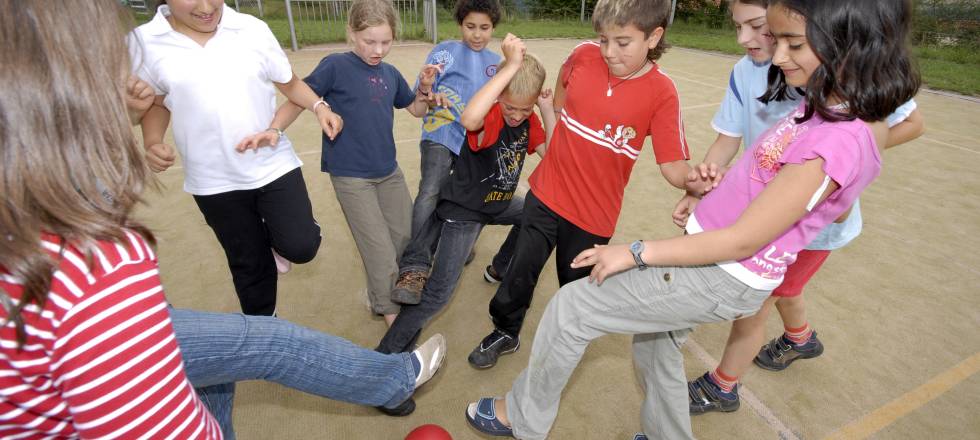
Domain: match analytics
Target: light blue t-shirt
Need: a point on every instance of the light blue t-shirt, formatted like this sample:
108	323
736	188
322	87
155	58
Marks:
742	115
464	72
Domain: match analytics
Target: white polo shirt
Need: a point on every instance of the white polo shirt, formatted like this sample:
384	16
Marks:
217	95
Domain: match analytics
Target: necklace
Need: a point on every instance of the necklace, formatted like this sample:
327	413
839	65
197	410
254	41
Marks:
612	86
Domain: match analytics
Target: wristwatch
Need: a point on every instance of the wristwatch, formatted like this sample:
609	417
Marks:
278	131
637	250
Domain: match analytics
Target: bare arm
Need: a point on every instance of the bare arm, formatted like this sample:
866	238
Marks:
676	172
909	129
547	106
159	156
485	98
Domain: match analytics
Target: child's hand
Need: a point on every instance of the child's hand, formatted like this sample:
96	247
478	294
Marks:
330	122
546	100
513	48
704	177
258	140
139	97
438	100
427	77
160	157
684	209
606	261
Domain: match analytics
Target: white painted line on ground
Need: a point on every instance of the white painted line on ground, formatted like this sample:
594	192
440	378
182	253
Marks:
947	144
747	397
692	107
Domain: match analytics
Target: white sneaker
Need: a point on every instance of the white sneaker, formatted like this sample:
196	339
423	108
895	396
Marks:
430	355
282	265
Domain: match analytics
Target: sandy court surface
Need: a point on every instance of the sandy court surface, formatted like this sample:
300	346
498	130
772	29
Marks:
898	309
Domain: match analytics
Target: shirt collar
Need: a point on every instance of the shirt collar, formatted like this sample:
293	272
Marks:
230	19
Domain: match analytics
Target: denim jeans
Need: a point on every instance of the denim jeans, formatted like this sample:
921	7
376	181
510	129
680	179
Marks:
455	240
437	161
220	349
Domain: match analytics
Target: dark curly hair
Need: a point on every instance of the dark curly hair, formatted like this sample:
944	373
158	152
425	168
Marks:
489	7
864	58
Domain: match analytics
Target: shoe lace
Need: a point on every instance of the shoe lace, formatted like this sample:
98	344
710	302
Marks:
494	336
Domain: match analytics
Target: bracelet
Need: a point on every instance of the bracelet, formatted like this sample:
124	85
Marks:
319	103
278	131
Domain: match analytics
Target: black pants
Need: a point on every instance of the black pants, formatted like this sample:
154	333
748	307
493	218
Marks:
542	231
250	223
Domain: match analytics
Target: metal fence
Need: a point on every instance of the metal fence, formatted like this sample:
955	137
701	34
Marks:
326	20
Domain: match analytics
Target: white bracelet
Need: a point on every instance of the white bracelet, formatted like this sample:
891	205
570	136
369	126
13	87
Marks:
319	103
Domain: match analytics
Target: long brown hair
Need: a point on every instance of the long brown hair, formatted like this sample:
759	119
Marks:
69	162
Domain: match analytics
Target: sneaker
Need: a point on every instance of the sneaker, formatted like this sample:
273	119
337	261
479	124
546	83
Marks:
491	276
408	288
430	356
704	396
495	344
282	265
405	408
780	352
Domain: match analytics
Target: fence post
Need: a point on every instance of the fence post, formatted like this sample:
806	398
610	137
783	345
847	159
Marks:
261	12
582	15
435	23
236	6
673	8
292	26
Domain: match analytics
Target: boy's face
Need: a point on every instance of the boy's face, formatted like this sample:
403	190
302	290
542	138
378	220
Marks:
477	28
625	48
516	108
753	31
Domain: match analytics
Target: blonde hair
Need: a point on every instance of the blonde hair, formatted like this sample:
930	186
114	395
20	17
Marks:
646	15
369	13
69	162
529	78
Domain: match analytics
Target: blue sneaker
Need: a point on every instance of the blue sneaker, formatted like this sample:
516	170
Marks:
780	352
705	396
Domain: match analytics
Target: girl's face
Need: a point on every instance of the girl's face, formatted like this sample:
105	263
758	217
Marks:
372	44
625	48
477	28
191	17
752	31
793	53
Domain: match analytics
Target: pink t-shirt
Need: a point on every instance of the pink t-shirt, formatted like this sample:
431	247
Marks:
851	160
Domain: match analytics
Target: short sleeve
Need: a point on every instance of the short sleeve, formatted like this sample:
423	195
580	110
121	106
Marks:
667	127
839	148
572	61
140	64
322	78
492	123
537	135
728	119
901	113
404	95
276	64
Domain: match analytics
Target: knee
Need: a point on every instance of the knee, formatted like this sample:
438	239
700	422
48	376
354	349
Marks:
302	249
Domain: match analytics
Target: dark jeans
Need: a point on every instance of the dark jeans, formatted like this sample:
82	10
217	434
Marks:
542	230
456	239
436	162
250	223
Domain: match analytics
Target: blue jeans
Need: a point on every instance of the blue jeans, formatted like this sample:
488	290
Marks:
455	239
437	161
220	349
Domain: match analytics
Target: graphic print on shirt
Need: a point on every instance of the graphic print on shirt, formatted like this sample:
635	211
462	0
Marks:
768	154
443	57
772	267
441	116
510	157
377	89
616	139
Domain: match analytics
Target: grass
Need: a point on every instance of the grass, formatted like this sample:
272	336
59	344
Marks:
951	68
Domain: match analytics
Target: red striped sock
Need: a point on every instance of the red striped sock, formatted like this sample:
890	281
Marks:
799	336
725	382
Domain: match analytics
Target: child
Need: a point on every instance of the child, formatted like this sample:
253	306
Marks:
741	113
577	189
502	130
466	66
360	159
798	177
217	72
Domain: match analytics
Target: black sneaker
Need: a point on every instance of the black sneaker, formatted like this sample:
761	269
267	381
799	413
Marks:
495	344
704	396
408	288
780	352
405	408
491	276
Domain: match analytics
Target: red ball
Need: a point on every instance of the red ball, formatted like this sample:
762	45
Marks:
429	432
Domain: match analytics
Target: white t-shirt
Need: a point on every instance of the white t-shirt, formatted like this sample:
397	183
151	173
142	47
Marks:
217	95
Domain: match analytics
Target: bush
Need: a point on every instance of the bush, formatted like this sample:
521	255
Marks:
947	23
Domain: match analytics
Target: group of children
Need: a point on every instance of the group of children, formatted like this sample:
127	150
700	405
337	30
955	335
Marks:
755	232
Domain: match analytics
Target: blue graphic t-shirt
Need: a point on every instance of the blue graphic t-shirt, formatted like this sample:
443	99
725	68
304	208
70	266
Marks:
365	96
464	72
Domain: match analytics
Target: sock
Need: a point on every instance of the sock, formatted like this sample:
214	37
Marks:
416	365
799	336
724	382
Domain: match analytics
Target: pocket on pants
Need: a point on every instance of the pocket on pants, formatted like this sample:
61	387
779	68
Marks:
728	313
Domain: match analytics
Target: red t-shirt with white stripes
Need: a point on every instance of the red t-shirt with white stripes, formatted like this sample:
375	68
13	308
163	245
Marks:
100	359
599	136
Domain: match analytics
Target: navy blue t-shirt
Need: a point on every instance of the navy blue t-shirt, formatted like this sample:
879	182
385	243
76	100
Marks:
365	96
